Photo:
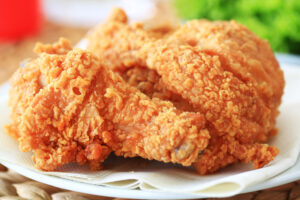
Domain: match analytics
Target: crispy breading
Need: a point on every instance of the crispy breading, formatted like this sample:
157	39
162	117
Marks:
81	110
242	53
150	83
221	69
232	107
211	97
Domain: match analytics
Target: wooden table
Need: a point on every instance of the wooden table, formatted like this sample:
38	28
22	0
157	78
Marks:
16	185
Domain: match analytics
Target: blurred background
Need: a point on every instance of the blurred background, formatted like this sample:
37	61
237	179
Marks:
22	23
278	21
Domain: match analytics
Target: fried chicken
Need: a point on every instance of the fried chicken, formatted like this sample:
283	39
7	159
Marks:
206	93
149	82
221	69
251	60
242	53
114	49
232	107
78	110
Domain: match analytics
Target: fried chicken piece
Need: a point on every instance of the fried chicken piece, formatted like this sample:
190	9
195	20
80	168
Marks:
218	68
251	60
242	53
113	49
116	42
232	107
217	154
81	110
42	110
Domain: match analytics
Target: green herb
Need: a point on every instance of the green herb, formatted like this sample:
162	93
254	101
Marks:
278	21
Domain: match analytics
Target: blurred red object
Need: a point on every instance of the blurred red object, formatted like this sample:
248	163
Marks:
19	18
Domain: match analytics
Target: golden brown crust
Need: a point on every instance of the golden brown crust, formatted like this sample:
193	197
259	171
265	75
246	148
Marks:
76	109
231	107
242	53
80	111
221	69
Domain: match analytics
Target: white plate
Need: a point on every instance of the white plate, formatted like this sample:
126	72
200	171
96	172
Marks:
290	175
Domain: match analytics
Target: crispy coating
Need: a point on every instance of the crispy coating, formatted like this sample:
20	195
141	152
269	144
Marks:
117	43
243	54
252	61
221	69
80	111
150	83
111	46
44	100
67	106
232	107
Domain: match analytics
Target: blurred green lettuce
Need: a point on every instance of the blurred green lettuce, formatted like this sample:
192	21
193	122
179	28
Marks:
278	21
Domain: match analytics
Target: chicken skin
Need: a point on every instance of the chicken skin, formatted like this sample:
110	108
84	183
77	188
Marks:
233	109
78	110
205	94
220	69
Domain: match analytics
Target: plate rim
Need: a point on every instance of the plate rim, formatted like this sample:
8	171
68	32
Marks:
107	190
99	190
